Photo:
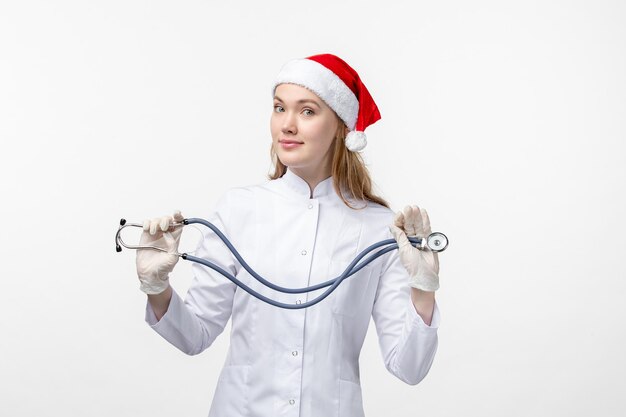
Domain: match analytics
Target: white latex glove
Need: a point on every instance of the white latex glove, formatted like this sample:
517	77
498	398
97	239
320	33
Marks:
153	266
422	265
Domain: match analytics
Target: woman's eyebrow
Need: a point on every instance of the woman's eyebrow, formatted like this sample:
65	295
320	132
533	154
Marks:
304	100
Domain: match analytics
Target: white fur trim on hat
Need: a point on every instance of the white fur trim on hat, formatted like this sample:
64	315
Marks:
356	141
323	82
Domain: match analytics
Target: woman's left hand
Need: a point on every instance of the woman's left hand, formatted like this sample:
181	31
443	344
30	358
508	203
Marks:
422	265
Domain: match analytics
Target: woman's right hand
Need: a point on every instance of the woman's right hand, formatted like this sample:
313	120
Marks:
154	266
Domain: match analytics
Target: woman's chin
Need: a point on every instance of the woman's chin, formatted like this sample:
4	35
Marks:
290	159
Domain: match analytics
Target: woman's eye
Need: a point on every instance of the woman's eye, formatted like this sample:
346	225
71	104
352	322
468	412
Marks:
276	107
309	111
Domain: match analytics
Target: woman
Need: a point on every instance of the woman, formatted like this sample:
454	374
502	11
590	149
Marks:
302	227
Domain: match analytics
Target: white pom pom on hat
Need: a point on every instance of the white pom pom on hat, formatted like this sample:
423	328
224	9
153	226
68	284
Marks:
341	88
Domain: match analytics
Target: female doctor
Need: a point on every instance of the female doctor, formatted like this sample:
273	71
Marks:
302	227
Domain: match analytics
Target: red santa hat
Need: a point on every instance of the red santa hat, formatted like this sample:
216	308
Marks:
341	88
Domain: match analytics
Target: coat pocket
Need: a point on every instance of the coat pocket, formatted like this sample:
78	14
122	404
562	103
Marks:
231	393
349	296
350	399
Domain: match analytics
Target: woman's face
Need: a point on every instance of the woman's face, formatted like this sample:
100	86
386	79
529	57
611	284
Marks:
300	115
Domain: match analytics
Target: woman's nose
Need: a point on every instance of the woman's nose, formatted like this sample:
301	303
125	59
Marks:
289	123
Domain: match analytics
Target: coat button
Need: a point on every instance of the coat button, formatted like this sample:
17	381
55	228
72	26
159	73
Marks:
310	206
294	353
304	252
292	401
298	302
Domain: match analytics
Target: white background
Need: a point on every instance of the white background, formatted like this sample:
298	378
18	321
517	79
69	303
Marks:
505	120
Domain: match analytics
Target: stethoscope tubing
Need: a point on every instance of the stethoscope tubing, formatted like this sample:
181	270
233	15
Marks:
333	283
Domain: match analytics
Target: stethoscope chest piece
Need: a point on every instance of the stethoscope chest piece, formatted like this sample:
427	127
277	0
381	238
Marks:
437	241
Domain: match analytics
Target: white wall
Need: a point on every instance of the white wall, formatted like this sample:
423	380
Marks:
505	120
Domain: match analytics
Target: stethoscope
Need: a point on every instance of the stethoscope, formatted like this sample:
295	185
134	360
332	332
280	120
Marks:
435	242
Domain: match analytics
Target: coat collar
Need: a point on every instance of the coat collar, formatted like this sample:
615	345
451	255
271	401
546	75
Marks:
300	186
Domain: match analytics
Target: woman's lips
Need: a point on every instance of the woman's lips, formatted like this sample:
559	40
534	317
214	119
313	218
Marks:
289	144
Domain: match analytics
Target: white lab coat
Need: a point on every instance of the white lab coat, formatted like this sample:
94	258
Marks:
302	362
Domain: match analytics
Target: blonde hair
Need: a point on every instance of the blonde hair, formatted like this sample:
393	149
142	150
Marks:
348	171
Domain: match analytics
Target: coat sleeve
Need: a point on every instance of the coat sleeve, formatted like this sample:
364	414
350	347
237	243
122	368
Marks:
407	343
193	325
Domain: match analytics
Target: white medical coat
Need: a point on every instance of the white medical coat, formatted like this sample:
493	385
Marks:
302	362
